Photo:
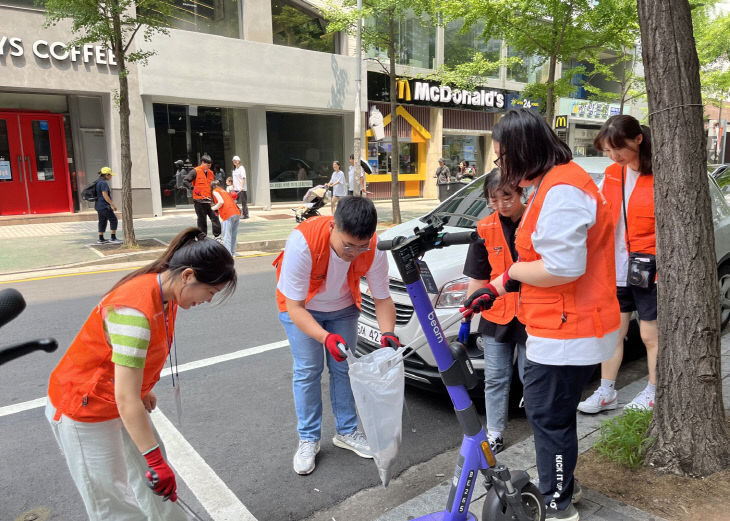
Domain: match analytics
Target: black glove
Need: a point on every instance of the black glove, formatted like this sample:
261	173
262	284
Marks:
389	340
481	300
510	285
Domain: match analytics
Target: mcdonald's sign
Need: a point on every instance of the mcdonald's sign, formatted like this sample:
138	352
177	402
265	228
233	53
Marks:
404	89
561	122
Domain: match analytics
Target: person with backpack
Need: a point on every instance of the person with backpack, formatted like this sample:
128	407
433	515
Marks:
100	393
105	207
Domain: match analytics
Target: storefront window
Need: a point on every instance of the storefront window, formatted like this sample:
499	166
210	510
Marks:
295	27
302	148
460	47
415	41
185	133
219	17
524	72
380	157
458	148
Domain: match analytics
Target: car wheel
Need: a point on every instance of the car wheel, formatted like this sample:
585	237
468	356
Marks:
723	278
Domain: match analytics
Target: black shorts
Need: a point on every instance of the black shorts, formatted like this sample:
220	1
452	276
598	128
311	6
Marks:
643	301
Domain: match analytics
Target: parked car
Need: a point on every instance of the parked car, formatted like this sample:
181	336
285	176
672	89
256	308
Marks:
447	285
721	174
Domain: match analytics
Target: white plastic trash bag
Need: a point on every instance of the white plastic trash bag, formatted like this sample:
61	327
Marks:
378	381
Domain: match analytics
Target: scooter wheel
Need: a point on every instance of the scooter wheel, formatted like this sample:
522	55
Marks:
532	504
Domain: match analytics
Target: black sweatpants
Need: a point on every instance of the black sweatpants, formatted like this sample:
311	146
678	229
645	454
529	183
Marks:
107	215
552	394
203	210
243	201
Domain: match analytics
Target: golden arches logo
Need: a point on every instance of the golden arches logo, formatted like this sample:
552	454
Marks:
561	122
404	89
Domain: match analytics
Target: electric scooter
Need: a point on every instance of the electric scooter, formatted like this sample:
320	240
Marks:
510	494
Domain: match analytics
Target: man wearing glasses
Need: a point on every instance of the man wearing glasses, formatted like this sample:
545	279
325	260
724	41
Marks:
318	295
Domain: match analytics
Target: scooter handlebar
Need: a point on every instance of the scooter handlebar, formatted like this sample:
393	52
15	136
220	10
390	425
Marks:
452	238
389	244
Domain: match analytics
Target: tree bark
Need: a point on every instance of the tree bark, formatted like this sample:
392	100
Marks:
395	153
688	430
126	156
549	96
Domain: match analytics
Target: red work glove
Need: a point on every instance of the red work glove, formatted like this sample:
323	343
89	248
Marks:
336	345
389	340
510	285
481	300
160	477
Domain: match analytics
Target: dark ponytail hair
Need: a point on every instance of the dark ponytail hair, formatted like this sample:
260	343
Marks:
210	261
617	129
528	146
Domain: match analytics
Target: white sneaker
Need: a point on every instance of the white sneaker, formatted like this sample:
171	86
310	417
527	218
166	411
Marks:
643	400
304	457
601	400
355	441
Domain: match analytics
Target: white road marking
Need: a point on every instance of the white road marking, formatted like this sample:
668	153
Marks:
210	490
41	402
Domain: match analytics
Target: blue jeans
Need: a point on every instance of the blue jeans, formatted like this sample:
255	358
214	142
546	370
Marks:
230	233
498	362
309	356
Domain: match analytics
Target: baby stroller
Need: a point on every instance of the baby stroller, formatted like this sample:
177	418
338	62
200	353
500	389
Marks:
314	199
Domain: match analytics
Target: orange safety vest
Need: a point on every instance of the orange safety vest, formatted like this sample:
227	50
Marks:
504	308
82	384
316	231
229	208
640	216
586	307
201	185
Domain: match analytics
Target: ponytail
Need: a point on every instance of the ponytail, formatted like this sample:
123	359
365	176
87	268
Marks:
210	261
645	166
617	129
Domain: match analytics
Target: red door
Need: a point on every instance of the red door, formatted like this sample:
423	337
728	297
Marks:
13	194
39	179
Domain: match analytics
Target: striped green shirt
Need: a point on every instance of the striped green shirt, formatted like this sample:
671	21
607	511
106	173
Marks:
129	335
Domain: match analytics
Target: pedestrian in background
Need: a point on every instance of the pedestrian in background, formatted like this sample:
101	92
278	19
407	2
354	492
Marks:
502	334
351	178
239	185
105	207
318	295
100	393
442	174
338	185
199	180
187	166
567	283
628	186
229	215
179	181
465	172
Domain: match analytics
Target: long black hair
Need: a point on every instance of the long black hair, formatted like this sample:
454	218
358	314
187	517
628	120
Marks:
617	129
493	182
210	261
528	146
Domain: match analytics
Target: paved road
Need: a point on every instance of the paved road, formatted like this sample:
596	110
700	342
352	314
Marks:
238	414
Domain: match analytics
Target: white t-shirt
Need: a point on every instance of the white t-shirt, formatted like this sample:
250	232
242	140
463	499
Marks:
351	177
334	294
239	179
621	254
338	190
560	238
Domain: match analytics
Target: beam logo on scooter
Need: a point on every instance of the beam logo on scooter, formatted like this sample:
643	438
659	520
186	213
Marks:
510	495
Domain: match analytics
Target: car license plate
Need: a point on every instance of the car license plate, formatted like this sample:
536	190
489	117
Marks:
368	333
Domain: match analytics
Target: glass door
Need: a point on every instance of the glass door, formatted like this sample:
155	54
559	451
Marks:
13	194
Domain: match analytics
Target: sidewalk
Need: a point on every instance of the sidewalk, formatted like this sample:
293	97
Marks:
521	456
52	245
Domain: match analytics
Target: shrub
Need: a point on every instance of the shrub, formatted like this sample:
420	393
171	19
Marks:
623	438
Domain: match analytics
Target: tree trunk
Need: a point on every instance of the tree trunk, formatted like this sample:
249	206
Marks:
395	153
549	96
127	215
688	429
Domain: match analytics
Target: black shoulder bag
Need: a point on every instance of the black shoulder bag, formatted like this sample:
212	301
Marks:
642	266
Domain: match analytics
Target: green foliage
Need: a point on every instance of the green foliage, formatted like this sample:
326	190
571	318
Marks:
712	39
623	438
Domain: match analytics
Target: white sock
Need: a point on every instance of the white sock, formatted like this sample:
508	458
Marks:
650	388
608	385
495	434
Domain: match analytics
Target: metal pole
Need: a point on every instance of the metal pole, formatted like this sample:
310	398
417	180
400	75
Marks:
358	110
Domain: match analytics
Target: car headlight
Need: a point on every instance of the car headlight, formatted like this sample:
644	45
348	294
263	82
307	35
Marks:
453	293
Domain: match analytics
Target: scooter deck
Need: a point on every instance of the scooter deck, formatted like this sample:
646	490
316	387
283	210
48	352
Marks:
440	516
